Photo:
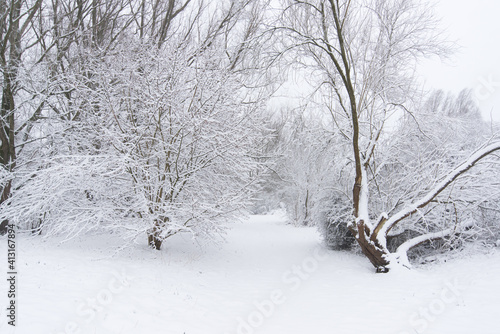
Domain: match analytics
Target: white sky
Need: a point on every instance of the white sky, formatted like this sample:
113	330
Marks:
475	25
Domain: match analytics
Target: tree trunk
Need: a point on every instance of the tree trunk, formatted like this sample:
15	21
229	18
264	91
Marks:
7	148
153	241
4	196
7	122
375	253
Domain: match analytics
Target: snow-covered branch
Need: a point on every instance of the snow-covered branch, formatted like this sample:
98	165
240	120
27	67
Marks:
385	226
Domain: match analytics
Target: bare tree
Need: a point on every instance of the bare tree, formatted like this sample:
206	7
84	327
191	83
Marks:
301	152
15	21
363	54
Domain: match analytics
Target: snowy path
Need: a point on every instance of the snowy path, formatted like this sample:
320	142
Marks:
268	278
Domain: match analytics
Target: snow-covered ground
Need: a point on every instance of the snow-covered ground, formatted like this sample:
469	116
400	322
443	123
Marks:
268	278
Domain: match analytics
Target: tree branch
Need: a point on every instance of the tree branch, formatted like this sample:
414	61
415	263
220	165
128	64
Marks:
384	226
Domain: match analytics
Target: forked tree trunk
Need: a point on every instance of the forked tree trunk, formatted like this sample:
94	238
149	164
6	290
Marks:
375	253
155	239
154	242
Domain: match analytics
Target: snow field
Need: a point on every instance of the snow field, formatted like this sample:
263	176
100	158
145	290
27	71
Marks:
269	278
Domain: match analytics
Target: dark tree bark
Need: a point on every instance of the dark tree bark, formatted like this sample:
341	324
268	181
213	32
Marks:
10	59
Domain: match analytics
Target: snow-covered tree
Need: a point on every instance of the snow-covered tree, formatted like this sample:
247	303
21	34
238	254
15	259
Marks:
17	38
363	55
301	169
148	116
42	44
425	147
186	134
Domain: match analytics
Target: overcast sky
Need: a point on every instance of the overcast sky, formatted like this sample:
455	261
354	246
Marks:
475	25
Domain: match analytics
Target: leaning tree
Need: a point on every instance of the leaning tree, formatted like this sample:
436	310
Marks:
363	55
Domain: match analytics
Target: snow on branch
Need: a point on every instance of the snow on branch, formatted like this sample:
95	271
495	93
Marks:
386	225
407	245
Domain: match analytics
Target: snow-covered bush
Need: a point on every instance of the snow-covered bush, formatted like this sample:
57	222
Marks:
167	148
421	149
332	224
145	121
187	134
302	154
